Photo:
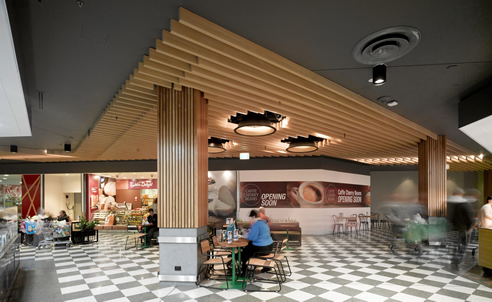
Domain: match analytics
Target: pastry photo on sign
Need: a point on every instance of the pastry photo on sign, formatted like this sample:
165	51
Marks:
221	194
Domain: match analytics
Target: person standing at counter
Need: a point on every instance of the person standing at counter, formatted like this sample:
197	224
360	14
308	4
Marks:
485	214
152	225
260	240
262	215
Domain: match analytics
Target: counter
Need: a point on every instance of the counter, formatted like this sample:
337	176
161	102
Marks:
485	248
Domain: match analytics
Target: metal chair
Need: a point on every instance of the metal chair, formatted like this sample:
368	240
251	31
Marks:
337	225
375	220
252	265
363	222
278	258
352	223
385	221
210	265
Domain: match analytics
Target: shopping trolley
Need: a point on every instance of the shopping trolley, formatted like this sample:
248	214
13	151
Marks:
53	233
408	234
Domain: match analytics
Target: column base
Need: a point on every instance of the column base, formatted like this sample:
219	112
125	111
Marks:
180	254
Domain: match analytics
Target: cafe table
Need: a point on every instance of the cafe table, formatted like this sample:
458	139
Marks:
241	242
144	226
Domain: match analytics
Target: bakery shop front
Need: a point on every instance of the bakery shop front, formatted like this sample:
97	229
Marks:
117	200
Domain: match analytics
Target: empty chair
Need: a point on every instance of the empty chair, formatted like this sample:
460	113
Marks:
211	265
384	222
337	225
252	265
363	222
375	220
352	223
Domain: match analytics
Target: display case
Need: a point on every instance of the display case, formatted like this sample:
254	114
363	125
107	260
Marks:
8	226
136	217
100	216
122	217
9	250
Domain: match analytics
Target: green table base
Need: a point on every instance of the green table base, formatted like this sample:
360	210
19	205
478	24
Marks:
288	248
145	245
238	283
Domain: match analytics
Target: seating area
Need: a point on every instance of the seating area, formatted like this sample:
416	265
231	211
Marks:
278	231
220	270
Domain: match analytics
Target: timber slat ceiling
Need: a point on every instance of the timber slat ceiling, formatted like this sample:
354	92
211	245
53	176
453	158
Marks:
237	75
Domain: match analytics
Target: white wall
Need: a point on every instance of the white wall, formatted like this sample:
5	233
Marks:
317	221
53	198
56	186
388	187
71	183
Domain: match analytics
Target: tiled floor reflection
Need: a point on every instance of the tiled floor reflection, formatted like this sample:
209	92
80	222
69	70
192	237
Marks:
325	268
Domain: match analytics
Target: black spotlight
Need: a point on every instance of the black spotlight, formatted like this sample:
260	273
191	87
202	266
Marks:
13	148
379	74
67	148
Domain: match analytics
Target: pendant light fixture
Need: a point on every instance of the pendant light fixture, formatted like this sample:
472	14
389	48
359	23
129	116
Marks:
216	145
302	145
379	74
255	124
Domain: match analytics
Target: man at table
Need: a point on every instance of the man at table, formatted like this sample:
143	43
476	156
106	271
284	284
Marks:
262	215
260	240
151	226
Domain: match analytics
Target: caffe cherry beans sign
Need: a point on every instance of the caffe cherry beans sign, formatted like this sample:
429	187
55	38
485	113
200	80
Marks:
303	194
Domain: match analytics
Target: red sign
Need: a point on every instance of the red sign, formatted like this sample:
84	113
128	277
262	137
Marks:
142	184
304	194
31	194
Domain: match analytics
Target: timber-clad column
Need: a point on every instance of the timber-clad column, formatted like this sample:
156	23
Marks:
432	176
182	160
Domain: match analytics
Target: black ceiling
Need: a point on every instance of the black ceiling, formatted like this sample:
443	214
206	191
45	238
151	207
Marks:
80	56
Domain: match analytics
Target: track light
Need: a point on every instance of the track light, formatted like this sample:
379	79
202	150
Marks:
379	74
67	148
216	145
255	124
13	148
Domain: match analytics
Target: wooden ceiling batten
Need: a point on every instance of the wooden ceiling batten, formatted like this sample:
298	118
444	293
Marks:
261	59
237	75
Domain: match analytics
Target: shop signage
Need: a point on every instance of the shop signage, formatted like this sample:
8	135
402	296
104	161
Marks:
304	194
142	184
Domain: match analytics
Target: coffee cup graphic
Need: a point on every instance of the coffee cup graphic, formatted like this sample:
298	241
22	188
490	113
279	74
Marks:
309	194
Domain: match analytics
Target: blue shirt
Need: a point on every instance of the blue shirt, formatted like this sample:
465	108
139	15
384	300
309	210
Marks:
260	234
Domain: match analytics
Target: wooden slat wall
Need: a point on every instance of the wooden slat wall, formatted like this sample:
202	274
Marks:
182	159
432	175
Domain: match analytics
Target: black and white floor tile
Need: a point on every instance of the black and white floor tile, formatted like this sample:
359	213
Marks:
325	268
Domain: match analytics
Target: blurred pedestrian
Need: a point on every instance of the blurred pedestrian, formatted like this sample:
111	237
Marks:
460	216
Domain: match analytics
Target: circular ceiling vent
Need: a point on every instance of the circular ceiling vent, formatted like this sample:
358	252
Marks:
386	45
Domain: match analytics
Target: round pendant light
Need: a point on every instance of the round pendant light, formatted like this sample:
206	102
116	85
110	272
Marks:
302	145
215	145
255	124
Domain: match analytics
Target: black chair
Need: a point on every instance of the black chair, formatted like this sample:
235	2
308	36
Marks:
375	220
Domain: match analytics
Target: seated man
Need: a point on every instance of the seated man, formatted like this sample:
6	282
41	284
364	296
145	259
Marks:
152	225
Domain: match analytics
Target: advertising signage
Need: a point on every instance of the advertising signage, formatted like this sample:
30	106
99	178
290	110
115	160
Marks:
303	194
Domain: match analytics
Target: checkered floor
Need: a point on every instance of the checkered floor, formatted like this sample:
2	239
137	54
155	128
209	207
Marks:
325	268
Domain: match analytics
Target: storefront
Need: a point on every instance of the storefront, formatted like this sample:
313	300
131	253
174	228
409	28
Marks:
120	199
